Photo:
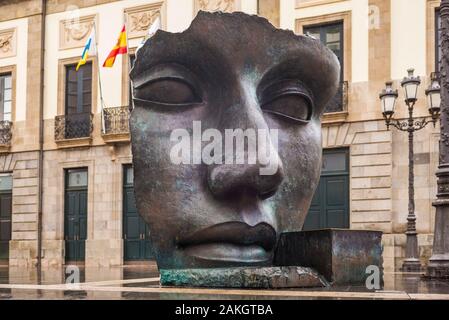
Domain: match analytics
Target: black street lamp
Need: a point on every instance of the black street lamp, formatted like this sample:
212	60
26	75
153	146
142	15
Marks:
388	101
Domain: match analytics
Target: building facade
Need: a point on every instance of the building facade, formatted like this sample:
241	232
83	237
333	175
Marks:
65	156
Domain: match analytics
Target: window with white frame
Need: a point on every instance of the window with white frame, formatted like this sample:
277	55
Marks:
5	97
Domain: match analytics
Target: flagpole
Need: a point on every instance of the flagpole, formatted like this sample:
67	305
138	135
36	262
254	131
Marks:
129	59
99	80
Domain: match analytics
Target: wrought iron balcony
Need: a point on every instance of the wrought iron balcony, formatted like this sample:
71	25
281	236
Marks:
73	126
116	120
339	103
5	134
115	124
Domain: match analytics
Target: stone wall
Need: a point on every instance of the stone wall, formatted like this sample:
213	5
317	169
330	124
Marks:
379	182
24	169
104	244
19	9
370	171
379	26
22	159
270	10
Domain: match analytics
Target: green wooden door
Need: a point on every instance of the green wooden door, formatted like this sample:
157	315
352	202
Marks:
5	224
75	215
136	233
330	204
5	214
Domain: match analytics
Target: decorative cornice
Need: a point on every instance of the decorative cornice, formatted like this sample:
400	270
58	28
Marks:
332	118
310	3
113	138
74	143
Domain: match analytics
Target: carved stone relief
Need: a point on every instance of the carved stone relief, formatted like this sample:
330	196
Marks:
217	5
7	43
139	19
73	33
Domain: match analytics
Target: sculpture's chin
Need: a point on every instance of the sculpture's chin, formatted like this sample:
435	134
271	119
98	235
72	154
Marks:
227	252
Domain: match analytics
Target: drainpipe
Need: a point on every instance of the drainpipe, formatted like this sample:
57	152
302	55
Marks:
41	144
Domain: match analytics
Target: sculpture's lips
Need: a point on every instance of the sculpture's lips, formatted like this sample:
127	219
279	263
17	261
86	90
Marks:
234	233
227	252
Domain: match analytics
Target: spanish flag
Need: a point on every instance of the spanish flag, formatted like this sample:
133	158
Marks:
120	48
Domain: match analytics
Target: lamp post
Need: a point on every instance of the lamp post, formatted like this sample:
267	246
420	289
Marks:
388	98
438	266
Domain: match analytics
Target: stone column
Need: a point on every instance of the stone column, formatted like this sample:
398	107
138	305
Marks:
439	262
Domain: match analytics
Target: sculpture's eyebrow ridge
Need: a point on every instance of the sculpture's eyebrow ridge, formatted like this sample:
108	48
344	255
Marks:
164	71
283	75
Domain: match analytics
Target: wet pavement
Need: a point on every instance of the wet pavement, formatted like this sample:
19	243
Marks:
135	282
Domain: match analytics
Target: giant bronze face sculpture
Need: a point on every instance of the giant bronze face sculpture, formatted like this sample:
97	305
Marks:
227	71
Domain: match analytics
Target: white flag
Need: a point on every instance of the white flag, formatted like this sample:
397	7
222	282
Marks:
155	26
93	44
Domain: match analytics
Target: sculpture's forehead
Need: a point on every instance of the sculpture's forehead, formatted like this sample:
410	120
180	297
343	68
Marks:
231	41
220	48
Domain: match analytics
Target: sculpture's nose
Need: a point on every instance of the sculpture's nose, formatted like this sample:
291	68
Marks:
250	160
225	179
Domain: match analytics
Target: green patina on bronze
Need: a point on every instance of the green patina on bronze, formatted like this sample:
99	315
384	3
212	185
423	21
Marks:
342	256
243	277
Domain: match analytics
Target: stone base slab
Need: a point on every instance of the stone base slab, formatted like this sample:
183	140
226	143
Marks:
438	267
437	272
411	265
244	277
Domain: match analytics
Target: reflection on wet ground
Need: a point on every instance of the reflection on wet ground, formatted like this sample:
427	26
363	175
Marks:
135	282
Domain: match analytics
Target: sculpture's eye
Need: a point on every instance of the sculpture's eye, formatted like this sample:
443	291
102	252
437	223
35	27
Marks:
290	105
288	99
171	91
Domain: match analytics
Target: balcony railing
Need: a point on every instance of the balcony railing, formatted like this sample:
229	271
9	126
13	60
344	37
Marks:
73	126
115	125
116	120
5	133
339	102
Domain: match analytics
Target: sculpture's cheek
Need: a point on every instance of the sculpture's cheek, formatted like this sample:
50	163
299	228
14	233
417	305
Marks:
300	151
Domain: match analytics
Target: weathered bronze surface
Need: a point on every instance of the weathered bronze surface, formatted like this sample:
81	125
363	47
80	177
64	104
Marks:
228	71
343	257
244	277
